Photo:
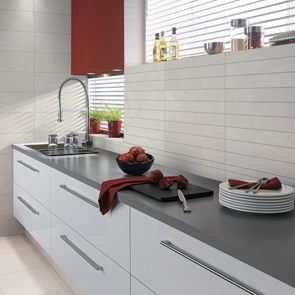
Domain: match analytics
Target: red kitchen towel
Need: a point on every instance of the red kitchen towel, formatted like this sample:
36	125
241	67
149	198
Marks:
109	189
273	183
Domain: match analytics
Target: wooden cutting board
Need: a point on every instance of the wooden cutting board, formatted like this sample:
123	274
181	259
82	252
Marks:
156	192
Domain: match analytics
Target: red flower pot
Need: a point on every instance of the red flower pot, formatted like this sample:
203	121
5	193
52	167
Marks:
114	128
94	127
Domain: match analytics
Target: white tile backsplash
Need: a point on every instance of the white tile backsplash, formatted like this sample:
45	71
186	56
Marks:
16	21
230	115
16	41
16	61
52	23
53	43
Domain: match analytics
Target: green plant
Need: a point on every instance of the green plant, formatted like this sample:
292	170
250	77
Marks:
97	114
112	113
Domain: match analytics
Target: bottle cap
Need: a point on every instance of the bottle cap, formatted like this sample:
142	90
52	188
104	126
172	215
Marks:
173	30
162	33
239	23
157	36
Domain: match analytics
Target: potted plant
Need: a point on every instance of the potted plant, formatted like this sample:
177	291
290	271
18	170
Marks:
113	115
96	115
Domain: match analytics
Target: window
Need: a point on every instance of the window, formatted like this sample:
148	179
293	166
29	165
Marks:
202	21
107	90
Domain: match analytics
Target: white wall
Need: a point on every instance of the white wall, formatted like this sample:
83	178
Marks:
35	57
222	116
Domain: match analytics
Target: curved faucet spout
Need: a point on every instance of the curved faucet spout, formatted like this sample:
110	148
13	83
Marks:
87	135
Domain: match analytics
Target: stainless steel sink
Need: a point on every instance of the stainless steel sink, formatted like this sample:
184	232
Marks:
43	148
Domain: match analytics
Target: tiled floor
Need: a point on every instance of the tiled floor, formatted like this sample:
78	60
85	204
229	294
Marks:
24	271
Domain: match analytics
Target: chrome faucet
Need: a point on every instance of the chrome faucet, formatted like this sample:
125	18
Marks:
87	134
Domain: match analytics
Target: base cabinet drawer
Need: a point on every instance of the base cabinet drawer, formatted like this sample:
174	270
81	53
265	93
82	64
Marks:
33	216
167	268
89	269
33	176
137	288
77	205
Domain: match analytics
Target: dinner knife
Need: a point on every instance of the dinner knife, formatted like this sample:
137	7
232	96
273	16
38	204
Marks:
181	197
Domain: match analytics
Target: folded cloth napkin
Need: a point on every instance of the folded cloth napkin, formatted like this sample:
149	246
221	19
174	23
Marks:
109	189
273	183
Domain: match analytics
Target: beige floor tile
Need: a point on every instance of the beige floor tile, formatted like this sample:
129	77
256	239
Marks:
1	293
15	243
32	282
65	292
63	276
21	260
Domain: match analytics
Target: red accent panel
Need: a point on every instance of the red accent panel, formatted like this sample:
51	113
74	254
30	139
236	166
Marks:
97	36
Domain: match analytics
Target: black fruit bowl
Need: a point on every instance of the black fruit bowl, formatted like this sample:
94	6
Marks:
136	168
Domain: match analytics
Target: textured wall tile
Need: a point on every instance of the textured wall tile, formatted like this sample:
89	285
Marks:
146	105
17	102
52	63
52	23
143	123
146	143
261	94
196	106
281	139
195	140
16	21
196	118
283	154
196	72
197	83
144	86
16	82
261	54
280	65
53	6
21	5
16	123
149	67
17	41
261	81
6	166
9	226
6	185
143	95
53	43
144	114
6	205
8	139
16	61
145	132
275	109
261	123
195	95
143	77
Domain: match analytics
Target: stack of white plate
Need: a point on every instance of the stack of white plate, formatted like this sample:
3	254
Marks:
264	201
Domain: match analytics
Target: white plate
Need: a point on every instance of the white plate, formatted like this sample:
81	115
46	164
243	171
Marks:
284	191
257	205
255	211
255	198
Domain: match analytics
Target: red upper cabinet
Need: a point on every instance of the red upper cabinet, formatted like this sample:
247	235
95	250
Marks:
97	36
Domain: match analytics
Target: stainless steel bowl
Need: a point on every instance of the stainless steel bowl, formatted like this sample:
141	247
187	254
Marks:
214	47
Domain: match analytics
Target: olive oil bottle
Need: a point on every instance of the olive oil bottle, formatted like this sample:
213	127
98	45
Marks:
163	47
173	46
156	49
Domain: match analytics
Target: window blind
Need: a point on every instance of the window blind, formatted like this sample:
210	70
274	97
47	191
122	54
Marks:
202	21
107	90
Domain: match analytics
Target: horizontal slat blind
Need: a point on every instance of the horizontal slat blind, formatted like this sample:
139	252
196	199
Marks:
202	21
107	90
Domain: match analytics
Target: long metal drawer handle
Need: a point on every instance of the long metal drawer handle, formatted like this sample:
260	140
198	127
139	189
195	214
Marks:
81	253
28	166
96	205
28	205
169	245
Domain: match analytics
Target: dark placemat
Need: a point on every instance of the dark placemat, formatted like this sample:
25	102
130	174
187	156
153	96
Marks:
154	191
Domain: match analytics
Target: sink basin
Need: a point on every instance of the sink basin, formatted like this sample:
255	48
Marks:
43	148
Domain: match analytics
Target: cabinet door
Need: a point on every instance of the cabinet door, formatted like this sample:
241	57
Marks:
33	176
167	272
137	288
88	268
77	205
33	216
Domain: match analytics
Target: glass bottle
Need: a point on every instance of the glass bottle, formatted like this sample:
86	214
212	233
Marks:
255	36
173	46
156	49
163	47
238	38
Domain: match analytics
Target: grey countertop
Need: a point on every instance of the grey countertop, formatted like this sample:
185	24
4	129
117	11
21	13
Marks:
264	241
